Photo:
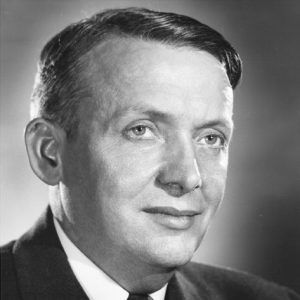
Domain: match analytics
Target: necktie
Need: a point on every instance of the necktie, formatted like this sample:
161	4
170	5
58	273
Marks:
139	297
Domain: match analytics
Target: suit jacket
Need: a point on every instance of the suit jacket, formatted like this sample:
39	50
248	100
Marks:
36	267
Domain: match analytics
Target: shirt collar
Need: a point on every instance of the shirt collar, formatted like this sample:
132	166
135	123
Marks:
95	283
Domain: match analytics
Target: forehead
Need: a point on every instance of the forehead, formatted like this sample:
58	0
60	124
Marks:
125	73
128	58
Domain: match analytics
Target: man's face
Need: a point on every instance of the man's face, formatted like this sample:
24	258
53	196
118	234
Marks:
158	126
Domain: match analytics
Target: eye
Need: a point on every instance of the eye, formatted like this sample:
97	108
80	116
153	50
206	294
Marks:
213	141
140	132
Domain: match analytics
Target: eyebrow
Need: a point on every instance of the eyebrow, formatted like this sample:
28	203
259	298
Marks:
146	110
227	126
215	123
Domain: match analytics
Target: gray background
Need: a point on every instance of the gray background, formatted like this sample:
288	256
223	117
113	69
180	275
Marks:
258	226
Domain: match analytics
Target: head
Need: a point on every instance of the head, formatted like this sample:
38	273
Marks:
132	119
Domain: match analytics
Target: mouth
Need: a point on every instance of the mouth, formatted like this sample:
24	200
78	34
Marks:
172	218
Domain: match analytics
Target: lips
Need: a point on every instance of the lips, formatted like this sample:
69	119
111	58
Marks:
171	211
172	218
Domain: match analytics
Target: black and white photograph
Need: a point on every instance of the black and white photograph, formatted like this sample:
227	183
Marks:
150	150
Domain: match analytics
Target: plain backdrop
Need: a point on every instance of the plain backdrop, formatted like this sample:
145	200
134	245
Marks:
258	226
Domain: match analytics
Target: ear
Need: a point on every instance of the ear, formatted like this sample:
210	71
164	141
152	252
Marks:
44	144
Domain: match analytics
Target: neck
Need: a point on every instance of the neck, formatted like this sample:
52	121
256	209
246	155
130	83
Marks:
135	276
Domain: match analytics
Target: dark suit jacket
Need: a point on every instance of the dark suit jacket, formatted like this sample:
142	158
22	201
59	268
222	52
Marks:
36	267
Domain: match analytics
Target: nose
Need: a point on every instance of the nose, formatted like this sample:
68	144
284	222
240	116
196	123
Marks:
180	172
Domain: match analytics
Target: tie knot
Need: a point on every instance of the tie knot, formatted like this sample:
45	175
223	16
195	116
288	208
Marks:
139	297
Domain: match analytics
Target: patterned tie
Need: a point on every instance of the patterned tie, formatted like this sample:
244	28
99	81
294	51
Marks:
139	297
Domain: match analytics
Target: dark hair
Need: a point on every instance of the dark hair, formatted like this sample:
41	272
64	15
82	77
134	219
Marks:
57	89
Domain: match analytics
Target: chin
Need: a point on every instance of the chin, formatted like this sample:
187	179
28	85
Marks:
173	261
172	255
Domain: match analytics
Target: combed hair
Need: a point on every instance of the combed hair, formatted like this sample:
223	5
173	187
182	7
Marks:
58	87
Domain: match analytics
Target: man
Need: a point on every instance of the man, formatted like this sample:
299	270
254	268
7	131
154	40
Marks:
131	123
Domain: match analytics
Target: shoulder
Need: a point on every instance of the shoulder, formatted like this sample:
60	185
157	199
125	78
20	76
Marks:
7	248
226	283
9	286
7	260
6	252
36	267
17	259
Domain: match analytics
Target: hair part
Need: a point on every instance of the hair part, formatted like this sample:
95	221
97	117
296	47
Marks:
59	87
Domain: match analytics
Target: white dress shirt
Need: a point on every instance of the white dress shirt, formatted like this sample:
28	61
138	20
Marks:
96	284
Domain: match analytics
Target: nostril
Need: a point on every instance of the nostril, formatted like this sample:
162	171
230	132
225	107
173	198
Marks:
176	189
172	188
196	187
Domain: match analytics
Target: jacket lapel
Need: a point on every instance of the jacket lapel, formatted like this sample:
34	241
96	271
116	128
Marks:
42	267
181	288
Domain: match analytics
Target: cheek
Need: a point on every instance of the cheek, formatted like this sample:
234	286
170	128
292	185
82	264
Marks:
126	172
213	173
121	178
77	171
